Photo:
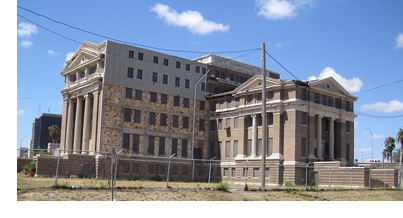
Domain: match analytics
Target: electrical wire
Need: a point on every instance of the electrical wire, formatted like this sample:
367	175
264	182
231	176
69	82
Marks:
282	66
127	42
375	116
380	86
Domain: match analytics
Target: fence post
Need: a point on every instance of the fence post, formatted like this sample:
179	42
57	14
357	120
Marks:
330	177
278	175
351	178
57	167
385	180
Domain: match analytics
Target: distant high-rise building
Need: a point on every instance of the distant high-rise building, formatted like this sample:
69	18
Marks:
40	132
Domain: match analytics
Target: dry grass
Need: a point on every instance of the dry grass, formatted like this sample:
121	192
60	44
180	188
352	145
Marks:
40	189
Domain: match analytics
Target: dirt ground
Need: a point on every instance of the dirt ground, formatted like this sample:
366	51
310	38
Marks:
199	194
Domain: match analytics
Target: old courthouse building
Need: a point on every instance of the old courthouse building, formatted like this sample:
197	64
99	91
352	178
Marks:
147	103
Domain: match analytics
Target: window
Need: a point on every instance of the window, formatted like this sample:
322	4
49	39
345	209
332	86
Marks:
347	126
303	118
178	65
155	77
249	148
270	116
221	104
225	172
187	83
270	147
259	147
235	148
151	169
73	78
128	93
126	167
203	87
337	103
140	56
188	67
237	102
303	147
232	172
249	99
155	60
202	105
259	97
82	74
232	77
219	124
176	100
174	149
213	106
186	102
137	116
227	148
127	115
93	70
316	98
255	172
139	74
347	152
250	121
197	69
175	121
228	122
161	170
166	62
153	97
212	150
267	173
204	70
347	106
201	124
130	71
165	79
184	171
303	94
131	54
185	122
213	124
152	118
126	141
184	148
151	141
177	81
270	95
163	119
245	172
136	143
164	99
161	147
136	169
139	95
229	103
236	123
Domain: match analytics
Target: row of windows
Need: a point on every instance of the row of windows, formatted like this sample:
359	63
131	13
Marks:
138	95
235	101
216	151
135	147
165	79
245	172
82	73
327	100
303	149
218	124
153	169
166	62
232	77
163	119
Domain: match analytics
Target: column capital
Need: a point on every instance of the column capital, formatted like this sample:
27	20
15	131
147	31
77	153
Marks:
88	95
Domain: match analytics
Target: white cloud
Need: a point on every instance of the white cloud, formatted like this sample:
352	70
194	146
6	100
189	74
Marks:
192	20
20	112
351	85
399	40
69	55
52	53
26	44
390	107
365	150
281	44
27	29
376	137
281	9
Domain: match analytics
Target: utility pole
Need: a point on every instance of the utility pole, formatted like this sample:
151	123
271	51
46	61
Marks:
264	118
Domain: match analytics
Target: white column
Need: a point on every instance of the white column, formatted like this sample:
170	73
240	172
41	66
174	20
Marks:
331	138
70	125
78	127
254	135
319	138
87	123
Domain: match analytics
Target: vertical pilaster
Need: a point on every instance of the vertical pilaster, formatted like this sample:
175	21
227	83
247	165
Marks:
70	125
241	139
87	123
319	138
331	138
254	135
78	127
94	128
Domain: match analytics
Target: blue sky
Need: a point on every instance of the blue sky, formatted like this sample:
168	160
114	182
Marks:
358	42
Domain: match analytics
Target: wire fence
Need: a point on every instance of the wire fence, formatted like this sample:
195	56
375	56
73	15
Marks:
119	165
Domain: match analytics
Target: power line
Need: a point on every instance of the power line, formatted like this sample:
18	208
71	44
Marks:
380	86
126	42
282	66
375	116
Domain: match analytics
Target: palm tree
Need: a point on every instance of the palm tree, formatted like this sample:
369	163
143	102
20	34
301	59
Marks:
54	133
390	145
399	137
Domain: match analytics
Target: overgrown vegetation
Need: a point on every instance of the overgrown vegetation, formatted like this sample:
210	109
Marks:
222	186
30	166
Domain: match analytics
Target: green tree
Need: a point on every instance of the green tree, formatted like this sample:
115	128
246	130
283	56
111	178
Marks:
399	137
390	145
54	133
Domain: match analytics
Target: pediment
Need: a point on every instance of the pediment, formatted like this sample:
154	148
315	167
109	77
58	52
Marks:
329	85
255	82
80	59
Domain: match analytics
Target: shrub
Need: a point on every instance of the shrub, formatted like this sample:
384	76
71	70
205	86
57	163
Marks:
29	166
222	186
289	184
